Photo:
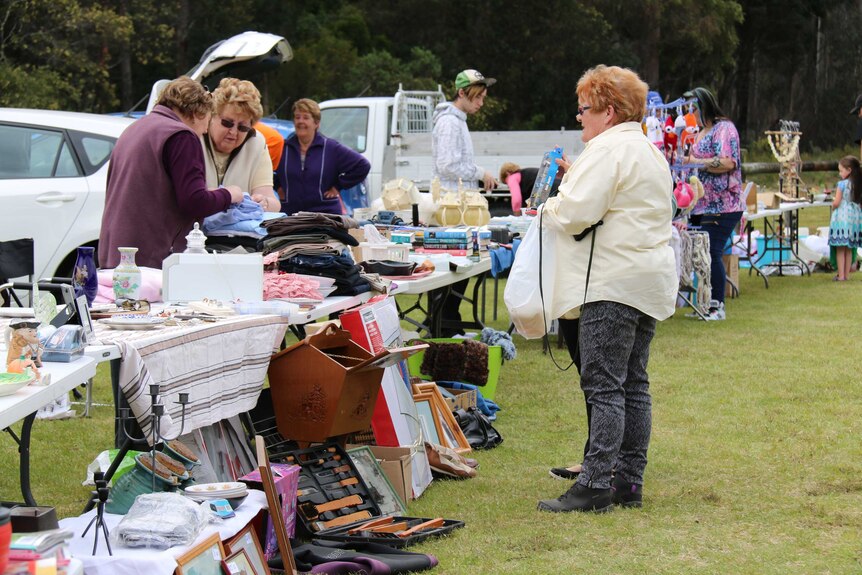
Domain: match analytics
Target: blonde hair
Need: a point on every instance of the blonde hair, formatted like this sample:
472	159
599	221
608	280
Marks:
473	91
621	88
307	106
240	93
187	97
507	169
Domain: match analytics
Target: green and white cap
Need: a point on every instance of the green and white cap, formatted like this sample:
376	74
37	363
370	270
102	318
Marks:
471	77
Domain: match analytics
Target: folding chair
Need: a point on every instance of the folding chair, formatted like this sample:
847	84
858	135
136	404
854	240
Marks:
16	260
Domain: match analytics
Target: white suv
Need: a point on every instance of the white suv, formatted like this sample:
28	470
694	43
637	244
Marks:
53	170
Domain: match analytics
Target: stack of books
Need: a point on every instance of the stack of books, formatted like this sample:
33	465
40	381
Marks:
451	241
38	552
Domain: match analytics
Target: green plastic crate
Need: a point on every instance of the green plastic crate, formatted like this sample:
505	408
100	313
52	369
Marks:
495	362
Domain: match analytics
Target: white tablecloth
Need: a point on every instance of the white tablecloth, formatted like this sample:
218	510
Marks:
221	365
128	561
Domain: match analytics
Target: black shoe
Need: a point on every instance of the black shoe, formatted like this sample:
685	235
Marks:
579	498
626	494
564	473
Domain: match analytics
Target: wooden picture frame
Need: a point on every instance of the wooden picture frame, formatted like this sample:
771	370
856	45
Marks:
449	433
247	540
426	411
239	564
272	503
205	558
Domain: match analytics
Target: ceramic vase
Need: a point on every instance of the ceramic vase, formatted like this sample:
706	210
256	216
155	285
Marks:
127	276
84	278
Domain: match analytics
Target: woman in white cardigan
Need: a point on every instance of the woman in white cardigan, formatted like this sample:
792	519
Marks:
623	182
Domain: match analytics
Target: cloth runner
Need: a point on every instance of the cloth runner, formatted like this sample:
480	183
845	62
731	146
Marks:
221	365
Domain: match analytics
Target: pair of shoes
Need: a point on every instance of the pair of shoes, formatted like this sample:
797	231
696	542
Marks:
626	494
448	463
564	473
716	311
579	498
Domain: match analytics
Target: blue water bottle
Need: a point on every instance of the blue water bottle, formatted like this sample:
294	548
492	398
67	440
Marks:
545	177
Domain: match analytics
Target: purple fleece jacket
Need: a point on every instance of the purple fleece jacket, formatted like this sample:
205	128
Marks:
328	164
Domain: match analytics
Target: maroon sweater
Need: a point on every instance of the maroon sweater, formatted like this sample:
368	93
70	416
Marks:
156	190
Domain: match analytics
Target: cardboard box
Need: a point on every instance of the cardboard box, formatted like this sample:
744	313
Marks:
464	399
731	268
751	198
396	464
768	199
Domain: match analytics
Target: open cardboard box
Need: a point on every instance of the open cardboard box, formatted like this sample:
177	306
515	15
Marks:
395	462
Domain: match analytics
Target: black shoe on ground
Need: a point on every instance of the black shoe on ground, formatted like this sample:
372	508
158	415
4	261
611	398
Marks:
579	498
564	473
626	494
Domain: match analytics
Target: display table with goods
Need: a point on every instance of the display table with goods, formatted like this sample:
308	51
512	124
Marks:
780	238
24	401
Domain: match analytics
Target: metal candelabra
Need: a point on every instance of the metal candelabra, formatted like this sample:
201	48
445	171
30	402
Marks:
100	498
157	410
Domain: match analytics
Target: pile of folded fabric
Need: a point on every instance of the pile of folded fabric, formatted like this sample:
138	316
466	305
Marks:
316	244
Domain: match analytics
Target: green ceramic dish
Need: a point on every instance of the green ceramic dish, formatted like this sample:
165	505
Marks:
12	382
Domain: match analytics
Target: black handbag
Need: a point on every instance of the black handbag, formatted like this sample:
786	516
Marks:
477	428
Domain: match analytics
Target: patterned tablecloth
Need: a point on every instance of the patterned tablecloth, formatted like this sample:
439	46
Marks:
221	366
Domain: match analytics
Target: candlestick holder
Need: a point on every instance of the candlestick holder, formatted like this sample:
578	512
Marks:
157	410
99	498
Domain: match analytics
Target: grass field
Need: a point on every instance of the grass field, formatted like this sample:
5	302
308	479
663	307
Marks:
755	464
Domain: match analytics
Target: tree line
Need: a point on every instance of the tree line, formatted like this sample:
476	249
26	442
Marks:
765	59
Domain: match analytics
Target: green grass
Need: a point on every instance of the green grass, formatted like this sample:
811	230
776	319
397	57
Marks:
755	464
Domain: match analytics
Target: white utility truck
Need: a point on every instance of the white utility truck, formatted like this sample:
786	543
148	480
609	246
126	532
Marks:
394	134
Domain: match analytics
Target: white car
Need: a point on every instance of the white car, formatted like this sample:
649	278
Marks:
53	171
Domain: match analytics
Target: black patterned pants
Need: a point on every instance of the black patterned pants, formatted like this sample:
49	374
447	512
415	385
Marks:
614	345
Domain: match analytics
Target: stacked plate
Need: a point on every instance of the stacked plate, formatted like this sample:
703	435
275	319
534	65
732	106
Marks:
132	321
234	492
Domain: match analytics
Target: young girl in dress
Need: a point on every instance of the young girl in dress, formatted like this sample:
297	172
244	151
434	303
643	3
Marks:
845	227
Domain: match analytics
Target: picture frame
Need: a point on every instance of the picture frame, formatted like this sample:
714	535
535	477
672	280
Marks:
426	412
379	486
248	541
448	432
205	558
83	311
239	564
273	503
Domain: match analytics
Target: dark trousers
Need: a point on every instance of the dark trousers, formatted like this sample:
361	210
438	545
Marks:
719	227
614	346
569	331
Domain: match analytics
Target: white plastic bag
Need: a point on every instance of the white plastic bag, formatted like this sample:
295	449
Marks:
531	310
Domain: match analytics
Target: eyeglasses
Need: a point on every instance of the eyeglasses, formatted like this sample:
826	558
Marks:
133	304
582	109
229	124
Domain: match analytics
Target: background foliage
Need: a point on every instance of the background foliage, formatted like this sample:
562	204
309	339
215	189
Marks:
766	59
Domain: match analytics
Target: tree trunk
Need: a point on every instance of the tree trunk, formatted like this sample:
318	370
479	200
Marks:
182	41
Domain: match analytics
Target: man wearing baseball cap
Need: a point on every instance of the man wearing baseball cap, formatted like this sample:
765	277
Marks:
452	154
451	145
857	111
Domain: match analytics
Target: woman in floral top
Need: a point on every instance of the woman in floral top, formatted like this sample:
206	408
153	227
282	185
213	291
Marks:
716	153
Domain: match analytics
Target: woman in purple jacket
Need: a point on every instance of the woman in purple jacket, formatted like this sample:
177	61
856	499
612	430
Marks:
313	168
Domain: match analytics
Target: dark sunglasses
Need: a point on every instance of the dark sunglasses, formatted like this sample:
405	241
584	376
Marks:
229	124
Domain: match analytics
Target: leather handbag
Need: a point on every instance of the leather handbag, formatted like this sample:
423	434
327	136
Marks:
477	429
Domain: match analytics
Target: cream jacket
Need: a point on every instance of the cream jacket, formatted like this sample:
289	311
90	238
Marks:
623	180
